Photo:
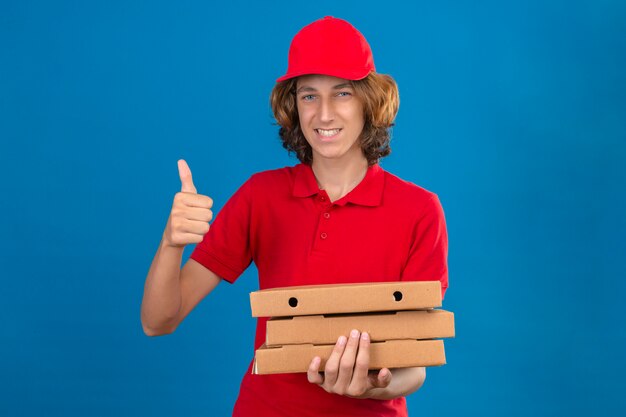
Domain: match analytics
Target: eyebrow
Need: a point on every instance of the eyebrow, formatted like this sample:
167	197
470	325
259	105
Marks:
336	87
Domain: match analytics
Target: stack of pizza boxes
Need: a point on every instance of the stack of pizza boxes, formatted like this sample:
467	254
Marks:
401	318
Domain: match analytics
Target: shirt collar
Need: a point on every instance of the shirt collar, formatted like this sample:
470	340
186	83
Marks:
368	192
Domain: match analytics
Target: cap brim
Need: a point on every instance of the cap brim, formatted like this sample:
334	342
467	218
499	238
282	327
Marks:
348	75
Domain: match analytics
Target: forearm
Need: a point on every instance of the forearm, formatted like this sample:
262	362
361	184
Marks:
404	381
162	293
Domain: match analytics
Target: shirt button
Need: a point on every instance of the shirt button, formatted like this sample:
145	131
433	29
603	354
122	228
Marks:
322	198
327	215
323	235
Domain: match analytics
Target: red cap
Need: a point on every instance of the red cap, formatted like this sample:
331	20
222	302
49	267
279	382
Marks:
329	46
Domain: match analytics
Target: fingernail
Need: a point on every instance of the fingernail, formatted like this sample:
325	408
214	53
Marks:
354	333
365	336
342	340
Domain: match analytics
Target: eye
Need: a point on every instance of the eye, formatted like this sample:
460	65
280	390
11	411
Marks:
307	97
344	94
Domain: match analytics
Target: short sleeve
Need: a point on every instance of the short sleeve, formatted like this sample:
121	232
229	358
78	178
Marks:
428	256
225	248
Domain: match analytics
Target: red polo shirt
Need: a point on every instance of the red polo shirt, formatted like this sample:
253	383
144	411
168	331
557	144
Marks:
385	229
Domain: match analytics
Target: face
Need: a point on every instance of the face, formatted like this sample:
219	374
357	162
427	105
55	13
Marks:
331	117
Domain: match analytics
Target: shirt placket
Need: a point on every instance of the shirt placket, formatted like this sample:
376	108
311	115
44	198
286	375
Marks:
324	231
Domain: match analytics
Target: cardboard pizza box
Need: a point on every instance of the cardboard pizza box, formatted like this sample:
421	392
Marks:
389	354
326	329
346	298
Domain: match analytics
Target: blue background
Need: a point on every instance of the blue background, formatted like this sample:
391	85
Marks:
514	113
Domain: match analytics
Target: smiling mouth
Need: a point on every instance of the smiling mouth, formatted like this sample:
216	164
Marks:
327	133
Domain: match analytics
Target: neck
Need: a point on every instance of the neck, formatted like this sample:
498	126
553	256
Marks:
338	178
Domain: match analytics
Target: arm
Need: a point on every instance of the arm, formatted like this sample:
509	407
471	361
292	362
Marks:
169	293
428	254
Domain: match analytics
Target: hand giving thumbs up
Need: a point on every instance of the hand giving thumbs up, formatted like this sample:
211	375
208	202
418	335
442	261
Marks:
191	212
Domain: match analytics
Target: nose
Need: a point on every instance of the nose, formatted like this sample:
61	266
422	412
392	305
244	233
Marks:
326	110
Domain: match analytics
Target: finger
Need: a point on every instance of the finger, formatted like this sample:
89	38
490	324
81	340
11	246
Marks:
187	238
331	369
185	177
361	366
192	226
313	373
346	366
199	214
195	200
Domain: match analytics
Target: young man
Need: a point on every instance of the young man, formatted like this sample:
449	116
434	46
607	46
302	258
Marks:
337	217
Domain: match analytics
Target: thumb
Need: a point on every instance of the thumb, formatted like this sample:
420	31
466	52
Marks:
185	177
381	379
